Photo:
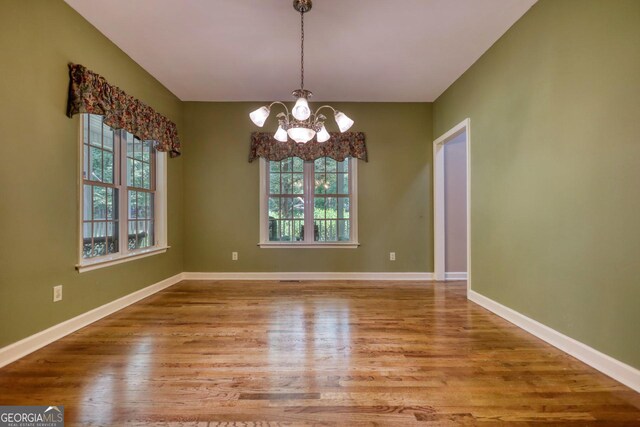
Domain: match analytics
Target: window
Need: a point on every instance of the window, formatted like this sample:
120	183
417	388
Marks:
308	204
123	201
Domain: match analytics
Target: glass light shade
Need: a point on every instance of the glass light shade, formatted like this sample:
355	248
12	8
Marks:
281	135
259	116
323	135
301	109
301	134
344	122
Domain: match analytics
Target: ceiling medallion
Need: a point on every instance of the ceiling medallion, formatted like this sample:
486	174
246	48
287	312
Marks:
301	124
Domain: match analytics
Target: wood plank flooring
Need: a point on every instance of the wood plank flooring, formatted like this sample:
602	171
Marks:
313	353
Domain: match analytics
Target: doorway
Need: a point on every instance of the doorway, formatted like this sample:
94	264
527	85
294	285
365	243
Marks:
451	195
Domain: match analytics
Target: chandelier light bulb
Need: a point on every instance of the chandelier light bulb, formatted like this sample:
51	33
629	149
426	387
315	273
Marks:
344	122
301	110
259	116
323	135
301	135
281	135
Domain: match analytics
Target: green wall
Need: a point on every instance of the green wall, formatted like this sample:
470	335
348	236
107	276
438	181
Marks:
38	169
222	197
555	169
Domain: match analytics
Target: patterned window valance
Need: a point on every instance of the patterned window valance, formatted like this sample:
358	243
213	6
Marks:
91	93
338	147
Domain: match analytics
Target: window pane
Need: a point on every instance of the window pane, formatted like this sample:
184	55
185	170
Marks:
109	203
137	173
108	167
331	207
99	238
343	183
112	237
298	183
146	176
274	207
286	165
99	202
95	130
298	208
343	166
95	172
86	240
129	139
137	149
318	164
330	184
319	208
319	235
298	230
87	206
320	184
142	234
273	229
146	151
331	230
286	208
287	184
343	207
331	164
343	230
298	164
274	183
133	210
107	137
274	166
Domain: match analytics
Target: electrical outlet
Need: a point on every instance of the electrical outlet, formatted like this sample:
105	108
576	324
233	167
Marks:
392	256
234	256
57	293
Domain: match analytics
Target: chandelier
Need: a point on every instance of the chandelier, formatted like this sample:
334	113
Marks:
301	124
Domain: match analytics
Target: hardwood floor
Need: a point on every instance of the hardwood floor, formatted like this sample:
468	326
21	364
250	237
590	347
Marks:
313	353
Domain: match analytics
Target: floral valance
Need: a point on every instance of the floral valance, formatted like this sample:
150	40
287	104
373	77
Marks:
91	93
338	147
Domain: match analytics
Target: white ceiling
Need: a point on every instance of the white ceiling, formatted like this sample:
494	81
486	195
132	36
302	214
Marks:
355	50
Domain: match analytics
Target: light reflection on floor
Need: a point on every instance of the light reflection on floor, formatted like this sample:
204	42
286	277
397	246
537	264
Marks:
313	336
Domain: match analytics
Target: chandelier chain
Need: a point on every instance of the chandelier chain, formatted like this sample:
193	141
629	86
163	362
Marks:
301	50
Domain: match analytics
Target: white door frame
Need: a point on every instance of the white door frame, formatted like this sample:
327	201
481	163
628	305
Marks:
439	203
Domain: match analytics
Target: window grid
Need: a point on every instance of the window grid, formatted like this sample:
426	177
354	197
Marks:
117	170
286	204
323	187
331	200
140	192
100	193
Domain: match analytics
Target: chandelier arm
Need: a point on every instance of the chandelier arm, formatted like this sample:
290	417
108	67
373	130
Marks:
325	106
281	103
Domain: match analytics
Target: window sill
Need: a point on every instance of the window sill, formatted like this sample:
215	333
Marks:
331	245
108	261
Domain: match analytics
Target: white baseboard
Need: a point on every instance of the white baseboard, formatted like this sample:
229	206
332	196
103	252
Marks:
456	276
307	276
617	370
21	348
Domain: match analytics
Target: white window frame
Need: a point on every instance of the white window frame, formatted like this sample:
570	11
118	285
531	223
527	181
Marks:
308	202
160	211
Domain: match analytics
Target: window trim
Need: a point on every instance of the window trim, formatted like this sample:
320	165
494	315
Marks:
160	209
353	214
